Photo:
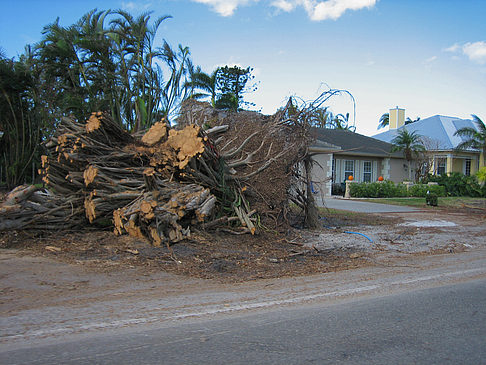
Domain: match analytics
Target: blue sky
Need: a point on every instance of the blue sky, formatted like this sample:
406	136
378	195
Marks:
426	56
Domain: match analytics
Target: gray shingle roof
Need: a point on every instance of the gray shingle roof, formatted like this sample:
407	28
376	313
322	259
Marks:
353	143
438	129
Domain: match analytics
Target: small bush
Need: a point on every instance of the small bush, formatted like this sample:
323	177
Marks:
420	190
481	174
431	199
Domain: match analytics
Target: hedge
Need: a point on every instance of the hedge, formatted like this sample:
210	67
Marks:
388	189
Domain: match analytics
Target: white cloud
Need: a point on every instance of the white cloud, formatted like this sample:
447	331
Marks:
333	9
316	9
431	59
135	6
453	49
225	7
284	5
476	52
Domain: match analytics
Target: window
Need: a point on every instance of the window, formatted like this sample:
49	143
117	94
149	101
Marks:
367	171
467	167
441	166
348	169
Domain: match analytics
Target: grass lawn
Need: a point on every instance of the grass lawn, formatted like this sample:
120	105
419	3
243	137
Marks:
449	202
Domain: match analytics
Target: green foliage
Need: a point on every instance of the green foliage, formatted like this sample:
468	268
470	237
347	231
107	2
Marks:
457	184
474	138
385	189
21	120
481	174
384	120
107	61
410	143
234	81
227	101
422	190
225	86
94	66
431	199
388	189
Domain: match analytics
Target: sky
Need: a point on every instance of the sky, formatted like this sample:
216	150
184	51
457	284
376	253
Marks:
426	56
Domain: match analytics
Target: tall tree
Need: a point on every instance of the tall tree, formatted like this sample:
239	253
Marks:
321	118
341	121
410	143
134	37
384	120
21	121
474	137
207	84
176	87
232	83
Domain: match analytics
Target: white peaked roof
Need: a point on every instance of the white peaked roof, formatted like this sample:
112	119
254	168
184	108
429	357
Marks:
439	130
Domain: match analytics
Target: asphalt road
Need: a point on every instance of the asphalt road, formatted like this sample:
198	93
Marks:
365	207
440	325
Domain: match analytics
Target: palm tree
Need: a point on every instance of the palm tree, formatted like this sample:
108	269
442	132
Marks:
142	82
207	84
410	143
475	137
410	121
384	120
341	121
321	118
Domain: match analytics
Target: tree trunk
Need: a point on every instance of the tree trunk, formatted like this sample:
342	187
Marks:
311	210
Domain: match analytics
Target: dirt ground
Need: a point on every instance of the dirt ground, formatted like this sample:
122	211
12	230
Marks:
77	282
347	240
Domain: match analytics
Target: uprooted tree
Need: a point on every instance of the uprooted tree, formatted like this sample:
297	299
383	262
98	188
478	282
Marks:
236	172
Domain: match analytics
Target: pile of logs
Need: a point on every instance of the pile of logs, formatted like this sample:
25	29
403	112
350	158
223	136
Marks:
198	175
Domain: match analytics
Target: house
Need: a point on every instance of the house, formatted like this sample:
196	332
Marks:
338	154
437	134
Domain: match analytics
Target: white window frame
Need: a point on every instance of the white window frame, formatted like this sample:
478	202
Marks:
348	172
367	173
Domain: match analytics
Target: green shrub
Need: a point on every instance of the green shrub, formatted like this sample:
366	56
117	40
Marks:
481	174
420	190
388	189
431	199
385	189
457	184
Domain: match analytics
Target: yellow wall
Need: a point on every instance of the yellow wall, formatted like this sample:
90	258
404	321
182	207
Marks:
449	165
457	165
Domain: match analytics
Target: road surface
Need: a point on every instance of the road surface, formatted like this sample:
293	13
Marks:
421	310
444	325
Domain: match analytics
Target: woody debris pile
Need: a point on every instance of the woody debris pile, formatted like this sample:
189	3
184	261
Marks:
213	170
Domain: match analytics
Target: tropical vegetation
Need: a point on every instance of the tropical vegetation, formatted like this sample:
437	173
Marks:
107	61
388	189
384	120
474	138
410	143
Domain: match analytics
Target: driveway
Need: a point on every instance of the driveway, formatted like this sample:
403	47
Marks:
365	207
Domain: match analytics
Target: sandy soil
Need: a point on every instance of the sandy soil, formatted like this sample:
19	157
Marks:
77	269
